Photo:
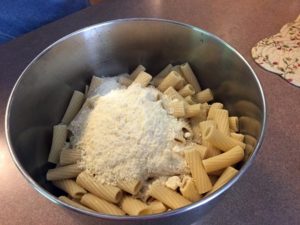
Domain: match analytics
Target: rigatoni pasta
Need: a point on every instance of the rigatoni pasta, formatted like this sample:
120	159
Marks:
133	206
171	80
167	196
137	70
173	94
223	160
192	110
58	140
75	104
63	172
189	190
237	136
220	140
194	161
226	176
70	187
95	82
107	192
143	79
69	156
190	76
222	120
207	143
74	203
204	96
155	207
234	123
132	187
176	108
187	90
100	205
161	75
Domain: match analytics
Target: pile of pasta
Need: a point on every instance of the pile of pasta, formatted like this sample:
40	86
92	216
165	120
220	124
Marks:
218	147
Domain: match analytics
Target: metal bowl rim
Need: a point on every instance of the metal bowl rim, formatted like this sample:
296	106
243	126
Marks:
164	215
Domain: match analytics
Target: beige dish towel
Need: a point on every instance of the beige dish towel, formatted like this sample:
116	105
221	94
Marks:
280	53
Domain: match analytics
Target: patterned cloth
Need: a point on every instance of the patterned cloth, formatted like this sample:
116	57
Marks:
20	16
280	53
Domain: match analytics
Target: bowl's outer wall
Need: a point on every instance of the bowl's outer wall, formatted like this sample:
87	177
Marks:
44	90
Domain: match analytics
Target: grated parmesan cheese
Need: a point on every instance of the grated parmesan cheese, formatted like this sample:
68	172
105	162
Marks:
126	135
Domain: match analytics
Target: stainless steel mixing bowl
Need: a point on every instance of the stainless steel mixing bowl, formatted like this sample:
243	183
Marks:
42	92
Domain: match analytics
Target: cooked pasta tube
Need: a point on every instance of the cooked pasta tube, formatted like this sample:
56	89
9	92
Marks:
173	94
211	150
155	207
171	80
223	160
237	136
207	123
217	105
222	120
95	83
73	107
70	187
167	196
177	69
161	75
133	206
176	108
190	100
100	205
189	190
69	156
136	71
211	113
107	192
180	84
220	140
204	96
250	140
182	81
226	176
73	203
143	79
64	172
189	76
58	140
187	90
200	148
192	110
234	123
125	80
132	187
200	177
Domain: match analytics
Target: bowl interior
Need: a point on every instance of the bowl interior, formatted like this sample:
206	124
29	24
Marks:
42	93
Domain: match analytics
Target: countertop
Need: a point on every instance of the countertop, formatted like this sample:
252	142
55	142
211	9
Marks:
269	193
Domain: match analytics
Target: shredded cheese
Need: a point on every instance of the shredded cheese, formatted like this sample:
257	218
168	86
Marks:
126	134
